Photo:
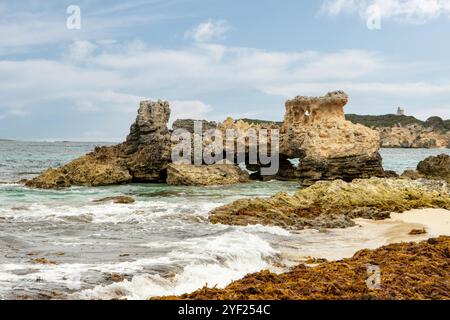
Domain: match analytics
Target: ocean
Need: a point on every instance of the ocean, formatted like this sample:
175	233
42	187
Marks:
63	245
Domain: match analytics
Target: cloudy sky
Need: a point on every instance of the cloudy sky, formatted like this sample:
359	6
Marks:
214	58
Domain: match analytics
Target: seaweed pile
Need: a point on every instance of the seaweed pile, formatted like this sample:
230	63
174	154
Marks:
413	271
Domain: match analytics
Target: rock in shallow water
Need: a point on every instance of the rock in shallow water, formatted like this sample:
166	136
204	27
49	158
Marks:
117	199
433	167
334	204
329	147
143	157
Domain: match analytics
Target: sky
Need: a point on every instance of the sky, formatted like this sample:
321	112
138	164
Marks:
65	76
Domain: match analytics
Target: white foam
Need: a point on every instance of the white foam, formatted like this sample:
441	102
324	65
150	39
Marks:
215	261
140	211
258	228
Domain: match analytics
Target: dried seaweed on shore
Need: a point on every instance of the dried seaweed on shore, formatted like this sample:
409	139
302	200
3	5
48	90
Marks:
413	271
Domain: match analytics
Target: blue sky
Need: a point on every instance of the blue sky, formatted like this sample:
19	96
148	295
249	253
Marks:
214	58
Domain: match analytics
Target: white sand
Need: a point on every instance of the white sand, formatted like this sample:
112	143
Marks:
435	221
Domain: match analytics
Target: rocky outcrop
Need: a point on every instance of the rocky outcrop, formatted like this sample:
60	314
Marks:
217	174
435	167
329	147
410	271
400	131
413	136
432	168
143	157
103	166
334	204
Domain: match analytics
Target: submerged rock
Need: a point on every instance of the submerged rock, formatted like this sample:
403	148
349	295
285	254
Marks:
409	271
334	204
329	147
218	174
118	200
143	157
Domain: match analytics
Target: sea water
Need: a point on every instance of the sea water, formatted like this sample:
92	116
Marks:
160	245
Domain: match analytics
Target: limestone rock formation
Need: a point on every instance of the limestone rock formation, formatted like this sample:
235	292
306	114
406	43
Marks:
148	146
413	136
217	174
142	157
332	204
329	147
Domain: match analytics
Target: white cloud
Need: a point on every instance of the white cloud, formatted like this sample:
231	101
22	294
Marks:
412	11
80	50
208	31
112	80
193	109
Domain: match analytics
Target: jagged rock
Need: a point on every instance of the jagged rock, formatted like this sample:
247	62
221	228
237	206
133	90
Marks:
329	147
142	157
335	203
218	174
435	167
148	146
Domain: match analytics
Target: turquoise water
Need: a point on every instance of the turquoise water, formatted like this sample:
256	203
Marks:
161	244
400	160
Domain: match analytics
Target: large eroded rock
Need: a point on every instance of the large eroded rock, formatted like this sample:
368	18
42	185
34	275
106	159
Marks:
218	174
329	147
142	157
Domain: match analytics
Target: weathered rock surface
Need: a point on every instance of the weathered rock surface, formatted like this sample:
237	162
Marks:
189	125
413	136
401	131
104	166
410	271
217	174
142	157
433	167
329	147
333	204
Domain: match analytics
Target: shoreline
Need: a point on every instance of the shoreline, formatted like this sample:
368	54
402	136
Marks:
393	232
